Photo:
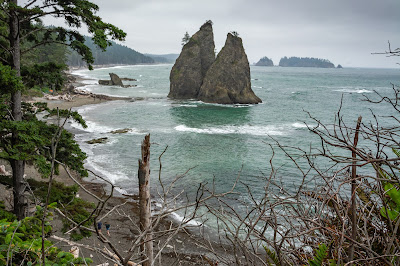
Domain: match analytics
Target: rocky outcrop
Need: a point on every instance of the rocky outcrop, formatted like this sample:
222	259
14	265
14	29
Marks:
116	81
190	68
265	61
228	79
121	131
97	141
105	82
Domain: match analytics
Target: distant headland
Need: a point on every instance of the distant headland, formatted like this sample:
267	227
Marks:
298	62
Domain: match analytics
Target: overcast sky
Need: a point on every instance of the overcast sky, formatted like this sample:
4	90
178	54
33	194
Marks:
345	32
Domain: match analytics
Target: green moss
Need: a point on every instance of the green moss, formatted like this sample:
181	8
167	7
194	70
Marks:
175	74
75	208
194	41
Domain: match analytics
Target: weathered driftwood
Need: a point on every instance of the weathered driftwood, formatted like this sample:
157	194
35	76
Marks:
144	202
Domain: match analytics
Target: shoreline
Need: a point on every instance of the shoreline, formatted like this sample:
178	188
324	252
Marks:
77	99
184	247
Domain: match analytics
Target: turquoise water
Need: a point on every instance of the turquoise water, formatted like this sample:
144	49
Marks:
217	141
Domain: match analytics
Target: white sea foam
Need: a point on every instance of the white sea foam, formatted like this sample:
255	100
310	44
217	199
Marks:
246	130
122	191
354	90
112	175
180	218
299	125
188	105
90	82
94	127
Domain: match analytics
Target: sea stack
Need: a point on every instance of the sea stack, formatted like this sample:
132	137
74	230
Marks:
190	68
228	79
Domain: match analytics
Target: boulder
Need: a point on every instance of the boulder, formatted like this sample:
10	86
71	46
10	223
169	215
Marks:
129	79
115	80
105	82
190	68
121	131
97	141
228	79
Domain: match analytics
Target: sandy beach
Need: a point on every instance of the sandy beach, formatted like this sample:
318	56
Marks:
184	248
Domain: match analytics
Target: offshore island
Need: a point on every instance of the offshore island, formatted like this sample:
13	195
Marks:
298	62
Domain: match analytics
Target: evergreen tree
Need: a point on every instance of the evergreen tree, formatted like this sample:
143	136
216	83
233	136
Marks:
185	39
20	25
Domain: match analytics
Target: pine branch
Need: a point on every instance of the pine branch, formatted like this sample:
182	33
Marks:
29	4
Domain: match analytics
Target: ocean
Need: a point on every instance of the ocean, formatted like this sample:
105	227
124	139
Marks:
212	143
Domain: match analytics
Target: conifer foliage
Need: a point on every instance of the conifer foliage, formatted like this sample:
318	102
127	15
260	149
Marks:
23	137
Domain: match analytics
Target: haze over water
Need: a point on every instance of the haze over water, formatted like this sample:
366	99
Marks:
218	140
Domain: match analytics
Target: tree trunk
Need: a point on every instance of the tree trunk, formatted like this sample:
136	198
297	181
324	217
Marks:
17	166
19	186
144	202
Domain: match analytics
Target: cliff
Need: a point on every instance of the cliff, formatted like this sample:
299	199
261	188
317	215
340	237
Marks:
228	79
191	66
265	61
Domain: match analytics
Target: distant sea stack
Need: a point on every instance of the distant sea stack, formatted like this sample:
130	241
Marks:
190	68
305	62
228	79
265	61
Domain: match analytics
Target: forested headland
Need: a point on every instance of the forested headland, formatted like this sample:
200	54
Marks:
116	54
305	62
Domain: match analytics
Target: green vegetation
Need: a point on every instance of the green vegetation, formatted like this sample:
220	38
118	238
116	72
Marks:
44	76
305	62
24	40
175	74
64	196
33	56
234	33
115	54
21	242
265	61
185	39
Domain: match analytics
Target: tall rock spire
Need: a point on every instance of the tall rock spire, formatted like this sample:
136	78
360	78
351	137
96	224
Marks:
190	68
228	79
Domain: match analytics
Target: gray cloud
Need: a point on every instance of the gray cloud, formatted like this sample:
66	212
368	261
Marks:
343	31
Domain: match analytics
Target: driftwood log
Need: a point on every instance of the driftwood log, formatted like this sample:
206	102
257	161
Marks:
146	247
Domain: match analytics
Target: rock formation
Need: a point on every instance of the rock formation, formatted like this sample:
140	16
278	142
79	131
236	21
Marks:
228	79
190	68
115	80
265	61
